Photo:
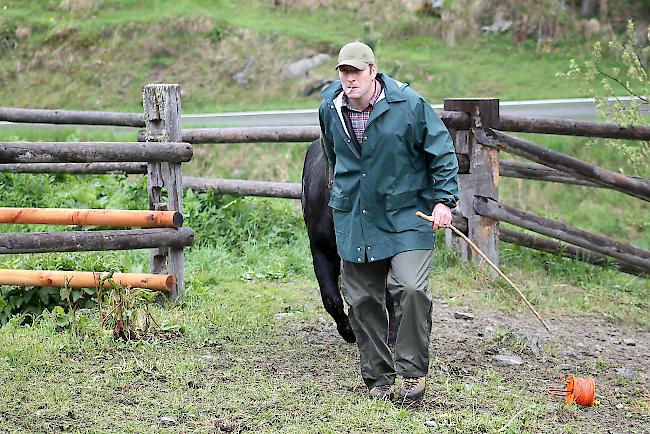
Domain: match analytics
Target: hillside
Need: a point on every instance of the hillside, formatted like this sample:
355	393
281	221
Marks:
97	55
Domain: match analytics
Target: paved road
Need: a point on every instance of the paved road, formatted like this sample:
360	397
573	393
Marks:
581	109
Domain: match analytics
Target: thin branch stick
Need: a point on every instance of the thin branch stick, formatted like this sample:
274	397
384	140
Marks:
475	247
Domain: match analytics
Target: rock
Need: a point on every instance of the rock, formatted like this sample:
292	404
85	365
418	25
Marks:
223	425
564	367
207	357
282	315
620	406
304	65
168	421
242	76
464	315
507	360
431	424
627	373
629	342
532	342
315	86
569	352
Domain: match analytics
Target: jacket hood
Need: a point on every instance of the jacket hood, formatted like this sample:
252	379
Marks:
394	89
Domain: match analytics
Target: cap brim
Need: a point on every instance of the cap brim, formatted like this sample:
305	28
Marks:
359	64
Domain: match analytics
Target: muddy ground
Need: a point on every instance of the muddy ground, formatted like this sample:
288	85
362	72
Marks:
616	355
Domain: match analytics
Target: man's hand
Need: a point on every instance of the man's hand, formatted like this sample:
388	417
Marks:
441	216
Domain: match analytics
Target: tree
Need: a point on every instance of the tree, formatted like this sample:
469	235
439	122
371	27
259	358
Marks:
631	76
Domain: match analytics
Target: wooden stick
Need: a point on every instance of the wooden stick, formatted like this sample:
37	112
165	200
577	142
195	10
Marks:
477	250
92	217
81	279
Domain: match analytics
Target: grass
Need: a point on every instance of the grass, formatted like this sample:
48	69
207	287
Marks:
216	38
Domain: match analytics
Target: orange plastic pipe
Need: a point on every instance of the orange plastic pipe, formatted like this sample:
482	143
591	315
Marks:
82	279
92	217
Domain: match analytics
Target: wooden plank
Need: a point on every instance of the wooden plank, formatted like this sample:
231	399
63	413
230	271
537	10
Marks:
39	116
637	187
92	217
245	188
91	152
83	279
568	251
80	168
162	114
568	127
87	241
539	172
562	231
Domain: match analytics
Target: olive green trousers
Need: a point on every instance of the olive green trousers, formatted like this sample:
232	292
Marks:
406	276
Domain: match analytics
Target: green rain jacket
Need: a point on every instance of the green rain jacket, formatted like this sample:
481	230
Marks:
407	163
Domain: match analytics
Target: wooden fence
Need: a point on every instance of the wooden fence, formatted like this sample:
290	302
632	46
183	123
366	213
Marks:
159	156
479	135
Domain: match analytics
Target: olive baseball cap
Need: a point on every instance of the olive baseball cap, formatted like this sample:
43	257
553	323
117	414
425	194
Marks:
356	54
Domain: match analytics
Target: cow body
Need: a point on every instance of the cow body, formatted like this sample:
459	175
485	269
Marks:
322	242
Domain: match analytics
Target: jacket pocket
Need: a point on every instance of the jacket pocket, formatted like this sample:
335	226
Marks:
400	212
340	203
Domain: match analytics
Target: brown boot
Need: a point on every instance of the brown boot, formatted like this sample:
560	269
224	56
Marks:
412	389
383	392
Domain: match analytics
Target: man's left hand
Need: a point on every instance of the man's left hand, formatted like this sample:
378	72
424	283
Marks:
441	216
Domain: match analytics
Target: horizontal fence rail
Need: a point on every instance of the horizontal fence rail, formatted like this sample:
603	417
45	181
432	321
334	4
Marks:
80	168
90	152
92	217
572	128
91	241
285	190
85	279
637	187
40	116
564	232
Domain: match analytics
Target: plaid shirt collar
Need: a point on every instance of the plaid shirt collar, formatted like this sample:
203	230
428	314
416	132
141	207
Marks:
371	103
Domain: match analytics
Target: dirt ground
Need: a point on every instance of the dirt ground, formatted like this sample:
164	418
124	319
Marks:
614	354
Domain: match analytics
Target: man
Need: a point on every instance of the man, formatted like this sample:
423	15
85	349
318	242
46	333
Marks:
390	155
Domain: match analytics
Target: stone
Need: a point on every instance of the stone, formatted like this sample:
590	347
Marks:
570	352
532	342
627	373
464	315
431	424
283	315
168	421
242	76
502	360
303	66
620	406
564	367
207	357
629	342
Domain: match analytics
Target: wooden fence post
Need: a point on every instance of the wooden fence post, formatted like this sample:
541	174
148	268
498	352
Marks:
482	179
162	115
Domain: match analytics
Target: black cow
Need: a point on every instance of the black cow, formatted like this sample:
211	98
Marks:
322	242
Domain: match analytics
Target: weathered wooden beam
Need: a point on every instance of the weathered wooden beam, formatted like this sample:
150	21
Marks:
569	127
481	178
86	241
90	152
92	217
39	116
84	279
162	115
80	168
539	172
637	187
244	188
562	231
568	251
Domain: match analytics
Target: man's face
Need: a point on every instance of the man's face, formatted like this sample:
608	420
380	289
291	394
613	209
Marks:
358	83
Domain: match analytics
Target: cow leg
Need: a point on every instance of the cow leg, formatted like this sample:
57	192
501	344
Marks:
327	274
